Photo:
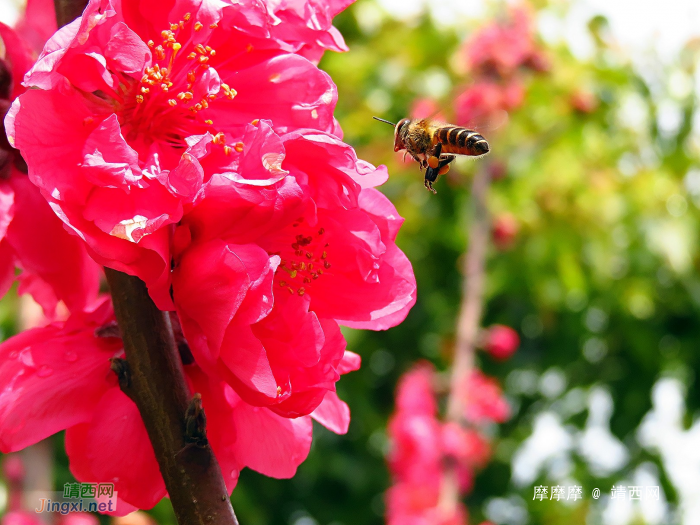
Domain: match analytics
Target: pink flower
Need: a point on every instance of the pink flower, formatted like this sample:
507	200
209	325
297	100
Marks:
501	341
420	445
148	99
504	230
426	108
306	25
58	377
501	48
262	279
466	446
55	265
414	430
484	102
484	399
408	504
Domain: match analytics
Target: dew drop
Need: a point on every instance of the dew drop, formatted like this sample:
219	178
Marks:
44	371
13	354
71	357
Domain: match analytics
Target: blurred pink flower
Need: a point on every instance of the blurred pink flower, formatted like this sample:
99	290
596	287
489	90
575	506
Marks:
502	47
484	399
21	517
421	447
504	230
426	108
58	377
482	104
501	341
465	446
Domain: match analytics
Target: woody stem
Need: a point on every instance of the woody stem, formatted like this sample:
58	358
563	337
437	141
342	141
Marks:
153	377
468	321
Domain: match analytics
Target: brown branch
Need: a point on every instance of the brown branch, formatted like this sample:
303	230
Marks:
468	321
472	296
68	10
153	377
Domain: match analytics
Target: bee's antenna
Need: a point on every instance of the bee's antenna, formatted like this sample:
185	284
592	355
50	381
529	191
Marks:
382	120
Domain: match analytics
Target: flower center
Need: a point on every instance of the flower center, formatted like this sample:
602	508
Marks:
171	100
303	262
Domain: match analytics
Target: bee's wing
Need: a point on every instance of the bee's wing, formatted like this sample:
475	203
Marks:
479	119
484	122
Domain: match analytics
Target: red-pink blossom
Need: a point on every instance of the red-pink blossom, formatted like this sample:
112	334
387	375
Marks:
147	100
502	47
58	377
421	446
306	25
484	399
501	341
504	230
55	265
408	504
238	205
583	101
262	279
483	103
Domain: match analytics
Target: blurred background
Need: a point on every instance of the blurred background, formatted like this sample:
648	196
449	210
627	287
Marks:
595	197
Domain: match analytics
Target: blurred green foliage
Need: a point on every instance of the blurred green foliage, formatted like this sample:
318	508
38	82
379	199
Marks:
601	281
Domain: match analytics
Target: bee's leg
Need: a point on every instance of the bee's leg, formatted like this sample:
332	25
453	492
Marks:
433	162
432	173
444	161
420	161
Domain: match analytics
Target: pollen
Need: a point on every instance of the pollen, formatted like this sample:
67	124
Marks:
303	260
175	74
238	146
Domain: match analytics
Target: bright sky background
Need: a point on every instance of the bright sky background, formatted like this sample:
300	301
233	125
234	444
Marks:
639	25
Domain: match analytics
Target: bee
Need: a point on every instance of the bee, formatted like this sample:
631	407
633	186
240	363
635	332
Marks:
435	144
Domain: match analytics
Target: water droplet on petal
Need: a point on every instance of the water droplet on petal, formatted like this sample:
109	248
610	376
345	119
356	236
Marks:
71	357
44	371
13	354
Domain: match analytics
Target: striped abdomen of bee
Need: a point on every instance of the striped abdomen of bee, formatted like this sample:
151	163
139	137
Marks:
460	141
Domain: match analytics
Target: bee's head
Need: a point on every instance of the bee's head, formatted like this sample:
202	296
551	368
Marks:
400	134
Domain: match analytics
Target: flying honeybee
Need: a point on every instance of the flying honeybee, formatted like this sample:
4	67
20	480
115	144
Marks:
434	144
